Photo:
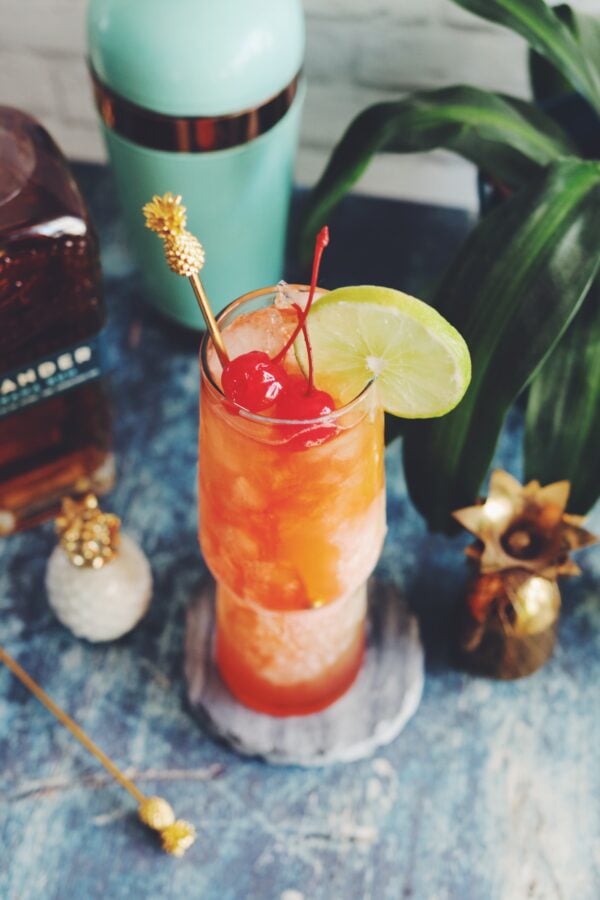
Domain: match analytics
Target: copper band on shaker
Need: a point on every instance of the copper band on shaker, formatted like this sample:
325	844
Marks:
188	134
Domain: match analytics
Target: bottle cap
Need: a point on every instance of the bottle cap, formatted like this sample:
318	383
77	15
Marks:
196	57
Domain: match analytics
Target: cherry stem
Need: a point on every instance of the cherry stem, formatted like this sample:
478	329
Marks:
320	244
311	382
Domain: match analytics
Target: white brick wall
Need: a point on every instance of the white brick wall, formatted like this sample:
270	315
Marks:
358	52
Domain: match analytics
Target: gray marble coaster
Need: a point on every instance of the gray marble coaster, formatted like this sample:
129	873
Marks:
372	713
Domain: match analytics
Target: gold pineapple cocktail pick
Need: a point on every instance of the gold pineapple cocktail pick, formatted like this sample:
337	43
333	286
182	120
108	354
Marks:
176	834
166	216
524	541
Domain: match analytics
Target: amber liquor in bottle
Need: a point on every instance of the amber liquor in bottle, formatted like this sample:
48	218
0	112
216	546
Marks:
54	414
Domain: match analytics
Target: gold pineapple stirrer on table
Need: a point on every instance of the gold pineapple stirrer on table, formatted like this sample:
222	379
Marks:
166	216
176	834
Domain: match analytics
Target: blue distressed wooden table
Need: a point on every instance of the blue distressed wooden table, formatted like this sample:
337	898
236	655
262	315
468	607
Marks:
491	792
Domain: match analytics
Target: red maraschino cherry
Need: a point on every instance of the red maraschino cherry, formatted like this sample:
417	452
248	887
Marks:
299	402
253	380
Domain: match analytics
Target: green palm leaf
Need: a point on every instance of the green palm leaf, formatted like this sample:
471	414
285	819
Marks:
562	429
545	33
514	287
547	82
506	137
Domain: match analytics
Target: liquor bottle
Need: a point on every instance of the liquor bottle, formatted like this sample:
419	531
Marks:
54	415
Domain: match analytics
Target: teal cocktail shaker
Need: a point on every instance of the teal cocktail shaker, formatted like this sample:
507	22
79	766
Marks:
202	98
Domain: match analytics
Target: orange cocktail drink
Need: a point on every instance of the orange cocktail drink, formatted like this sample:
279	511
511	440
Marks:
291	485
292	521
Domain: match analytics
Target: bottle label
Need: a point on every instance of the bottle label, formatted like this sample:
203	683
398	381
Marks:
53	374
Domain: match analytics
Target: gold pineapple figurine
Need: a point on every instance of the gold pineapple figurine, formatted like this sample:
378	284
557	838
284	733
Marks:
524	538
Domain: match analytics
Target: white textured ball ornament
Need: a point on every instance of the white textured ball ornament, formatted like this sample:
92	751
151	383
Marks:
100	604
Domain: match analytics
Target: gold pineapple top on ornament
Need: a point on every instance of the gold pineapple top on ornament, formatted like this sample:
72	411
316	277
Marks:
98	580
88	536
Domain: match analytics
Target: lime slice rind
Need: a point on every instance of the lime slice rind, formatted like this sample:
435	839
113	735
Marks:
420	363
